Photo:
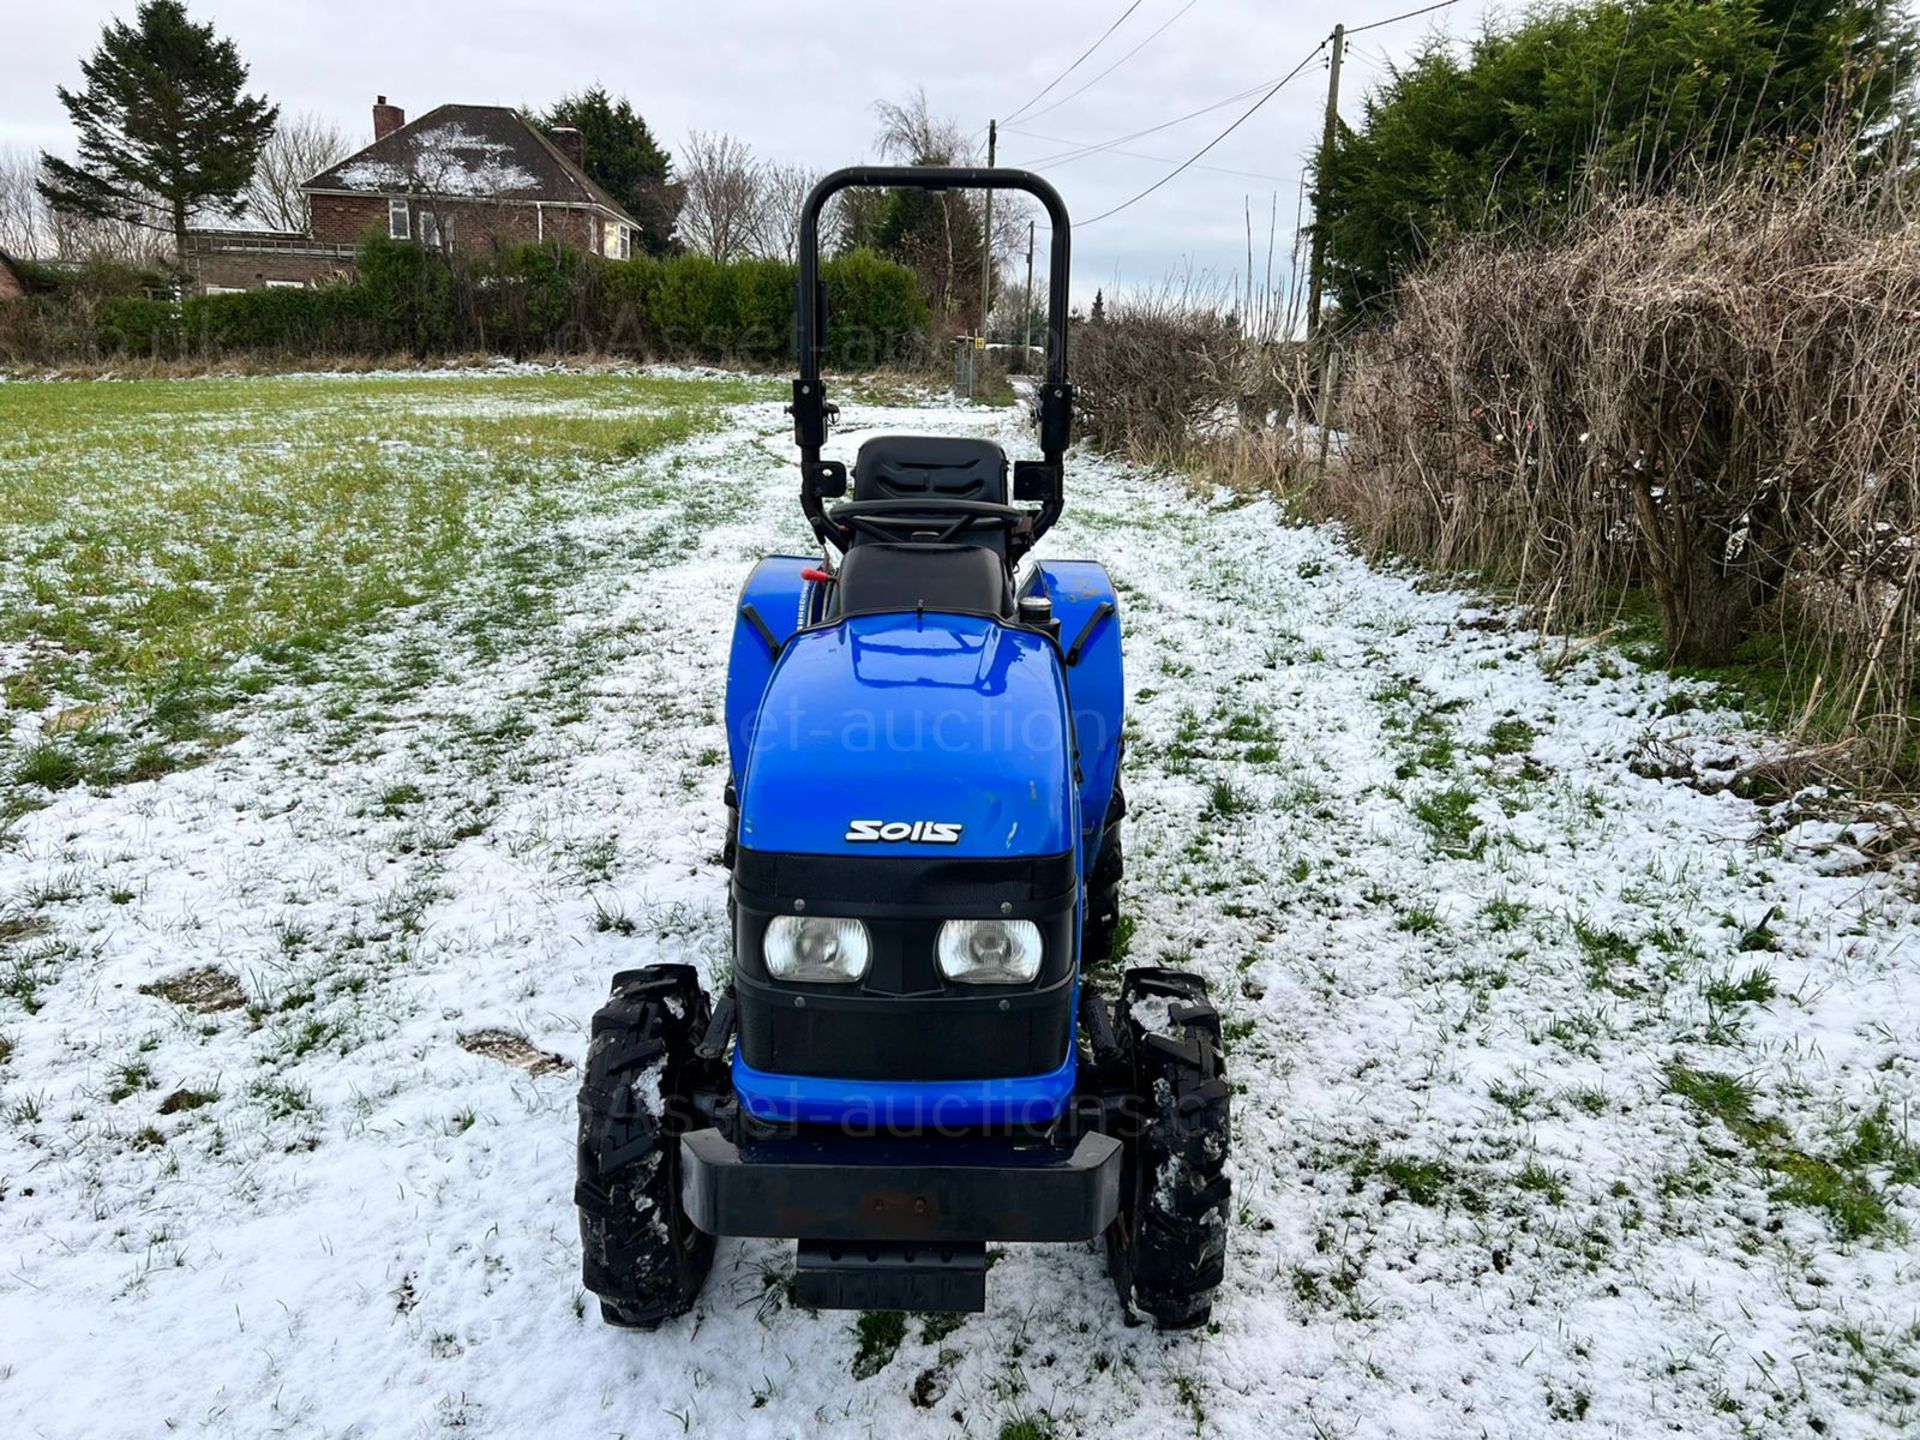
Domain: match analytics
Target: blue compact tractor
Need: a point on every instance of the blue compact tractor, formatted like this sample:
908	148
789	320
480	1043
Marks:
912	1058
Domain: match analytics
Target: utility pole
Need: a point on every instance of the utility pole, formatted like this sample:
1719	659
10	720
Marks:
1029	305
1316	269
986	247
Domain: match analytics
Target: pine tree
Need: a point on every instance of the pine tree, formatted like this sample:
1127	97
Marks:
1099	309
164	130
624	160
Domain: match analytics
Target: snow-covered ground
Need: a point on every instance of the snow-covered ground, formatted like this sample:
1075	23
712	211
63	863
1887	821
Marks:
1560	1088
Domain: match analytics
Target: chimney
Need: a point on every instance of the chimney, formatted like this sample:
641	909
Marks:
570	143
386	118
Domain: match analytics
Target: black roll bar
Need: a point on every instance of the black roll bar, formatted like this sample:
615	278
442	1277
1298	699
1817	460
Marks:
810	410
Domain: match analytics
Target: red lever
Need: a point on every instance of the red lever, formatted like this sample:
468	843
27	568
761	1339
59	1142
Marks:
817	576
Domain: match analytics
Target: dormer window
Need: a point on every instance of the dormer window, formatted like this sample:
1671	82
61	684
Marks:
399	220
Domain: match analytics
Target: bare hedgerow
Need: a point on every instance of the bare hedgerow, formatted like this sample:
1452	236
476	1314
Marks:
1711	394
1170	376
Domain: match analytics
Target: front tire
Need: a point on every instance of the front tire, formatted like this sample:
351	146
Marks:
1166	1250
639	1252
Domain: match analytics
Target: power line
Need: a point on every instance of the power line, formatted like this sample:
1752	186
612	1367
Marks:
1396	19
1156	159
1076	64
1068	156
1049	109
1245	115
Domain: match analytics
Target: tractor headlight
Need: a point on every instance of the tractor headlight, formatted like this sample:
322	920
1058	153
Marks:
817	948
990	952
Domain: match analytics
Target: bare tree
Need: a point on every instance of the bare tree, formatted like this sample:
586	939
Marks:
1018	318
940	235
87	237
783	193
910	132
722	216
30	227
300	147
23	220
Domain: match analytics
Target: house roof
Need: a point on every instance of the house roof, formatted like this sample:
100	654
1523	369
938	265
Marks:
469	151
12	283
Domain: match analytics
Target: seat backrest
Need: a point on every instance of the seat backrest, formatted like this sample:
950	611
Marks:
905	467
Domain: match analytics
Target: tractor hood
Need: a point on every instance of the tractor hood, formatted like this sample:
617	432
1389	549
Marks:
912	734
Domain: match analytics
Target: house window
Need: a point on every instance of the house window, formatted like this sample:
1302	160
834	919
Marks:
430	233
626	242
398	225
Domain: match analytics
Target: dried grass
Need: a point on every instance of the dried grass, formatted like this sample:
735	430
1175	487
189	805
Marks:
1711	396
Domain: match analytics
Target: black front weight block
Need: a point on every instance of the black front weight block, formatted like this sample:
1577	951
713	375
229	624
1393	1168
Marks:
931	1191
885	1275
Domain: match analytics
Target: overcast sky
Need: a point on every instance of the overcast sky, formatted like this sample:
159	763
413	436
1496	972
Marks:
798	82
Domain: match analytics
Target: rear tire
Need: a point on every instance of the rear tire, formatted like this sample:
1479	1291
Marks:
1166	1250
639	1252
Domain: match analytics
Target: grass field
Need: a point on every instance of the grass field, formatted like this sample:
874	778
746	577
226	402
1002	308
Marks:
356	730
174	548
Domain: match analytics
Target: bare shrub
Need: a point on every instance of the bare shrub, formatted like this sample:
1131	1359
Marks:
1150	375
1710	395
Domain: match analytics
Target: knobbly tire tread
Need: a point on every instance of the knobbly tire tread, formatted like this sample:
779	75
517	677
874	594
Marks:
639	1252
1167	1249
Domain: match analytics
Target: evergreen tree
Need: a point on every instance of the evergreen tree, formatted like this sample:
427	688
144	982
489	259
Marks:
164	129
624	160
1577	99
1099	309
854	218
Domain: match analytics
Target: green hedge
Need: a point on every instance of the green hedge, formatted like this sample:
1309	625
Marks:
336	319
535	299
96	279
134	325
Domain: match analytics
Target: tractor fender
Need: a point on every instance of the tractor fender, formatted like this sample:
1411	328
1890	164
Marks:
1088	609
774	603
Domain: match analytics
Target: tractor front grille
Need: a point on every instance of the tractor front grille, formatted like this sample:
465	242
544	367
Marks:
905	1021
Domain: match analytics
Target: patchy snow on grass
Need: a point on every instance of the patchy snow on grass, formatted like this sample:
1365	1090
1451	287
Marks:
1569	1101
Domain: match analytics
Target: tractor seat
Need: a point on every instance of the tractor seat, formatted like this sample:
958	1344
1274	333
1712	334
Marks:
876	575
933	467
910	467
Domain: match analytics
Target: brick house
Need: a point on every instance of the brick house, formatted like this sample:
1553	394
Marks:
252	259
459	177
